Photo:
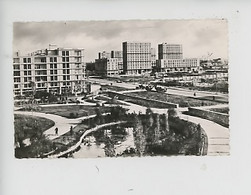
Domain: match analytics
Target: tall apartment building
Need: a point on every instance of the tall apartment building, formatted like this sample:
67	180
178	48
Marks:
136	57
153	57
170	51
170	59
54	70
119	56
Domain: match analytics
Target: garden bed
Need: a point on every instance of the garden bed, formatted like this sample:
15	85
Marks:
73	111
175	99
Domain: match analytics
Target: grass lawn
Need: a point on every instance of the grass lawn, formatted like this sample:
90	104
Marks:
181	100
221	110
29	138
73	111
114	88
28	122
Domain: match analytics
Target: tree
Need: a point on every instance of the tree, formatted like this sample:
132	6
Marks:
140	138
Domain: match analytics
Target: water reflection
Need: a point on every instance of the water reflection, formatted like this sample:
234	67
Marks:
89	149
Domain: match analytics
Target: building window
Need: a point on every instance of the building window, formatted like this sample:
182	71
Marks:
25	66
16	86
24	60
55	59
68	71
63	65
29	66
16	67
64	77
51	59
29	72
64	71
55	65
67	53
51	78
51	66
16	80
25	72
25	79
63	53
68	65
16	73
51	71
29	60
55	71
68	77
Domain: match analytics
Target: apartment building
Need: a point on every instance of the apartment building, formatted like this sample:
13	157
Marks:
136	57
119	56
170	51
58	70
178	65
153	57
106	67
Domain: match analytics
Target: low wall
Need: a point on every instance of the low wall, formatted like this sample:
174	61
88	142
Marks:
220	118
161	103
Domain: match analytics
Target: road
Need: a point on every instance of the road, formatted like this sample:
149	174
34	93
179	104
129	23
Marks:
170	90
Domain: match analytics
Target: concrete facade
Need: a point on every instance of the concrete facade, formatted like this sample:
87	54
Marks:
170	51
54	70
136	57
178	65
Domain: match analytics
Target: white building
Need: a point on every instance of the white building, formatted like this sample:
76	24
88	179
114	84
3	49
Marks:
179	65
136	57
170	51
54	70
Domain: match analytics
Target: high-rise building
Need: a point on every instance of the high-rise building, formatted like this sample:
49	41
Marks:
136	57
170	51
170	59
153	57
54	70
119	56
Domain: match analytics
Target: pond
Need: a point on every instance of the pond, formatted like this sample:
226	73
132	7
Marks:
90	149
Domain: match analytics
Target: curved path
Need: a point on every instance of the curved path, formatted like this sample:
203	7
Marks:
62	123
218	136
74	147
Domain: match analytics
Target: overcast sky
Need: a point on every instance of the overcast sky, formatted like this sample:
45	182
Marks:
198	37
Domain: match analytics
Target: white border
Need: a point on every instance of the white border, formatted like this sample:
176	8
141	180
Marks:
175	175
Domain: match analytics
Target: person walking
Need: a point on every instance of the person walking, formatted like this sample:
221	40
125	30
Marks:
56	131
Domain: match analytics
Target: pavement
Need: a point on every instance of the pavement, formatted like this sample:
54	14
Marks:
62	123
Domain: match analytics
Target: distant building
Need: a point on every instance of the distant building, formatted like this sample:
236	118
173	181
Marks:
136	57
104	54
178	65
54	70
170	51
153	57
106	67
170	59
119	56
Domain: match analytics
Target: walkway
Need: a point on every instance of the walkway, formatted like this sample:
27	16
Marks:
218	136
62	123
74	147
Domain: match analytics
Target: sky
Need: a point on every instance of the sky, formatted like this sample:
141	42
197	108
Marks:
198	37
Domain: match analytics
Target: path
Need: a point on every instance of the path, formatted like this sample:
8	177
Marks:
74	147
218	136
62	123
